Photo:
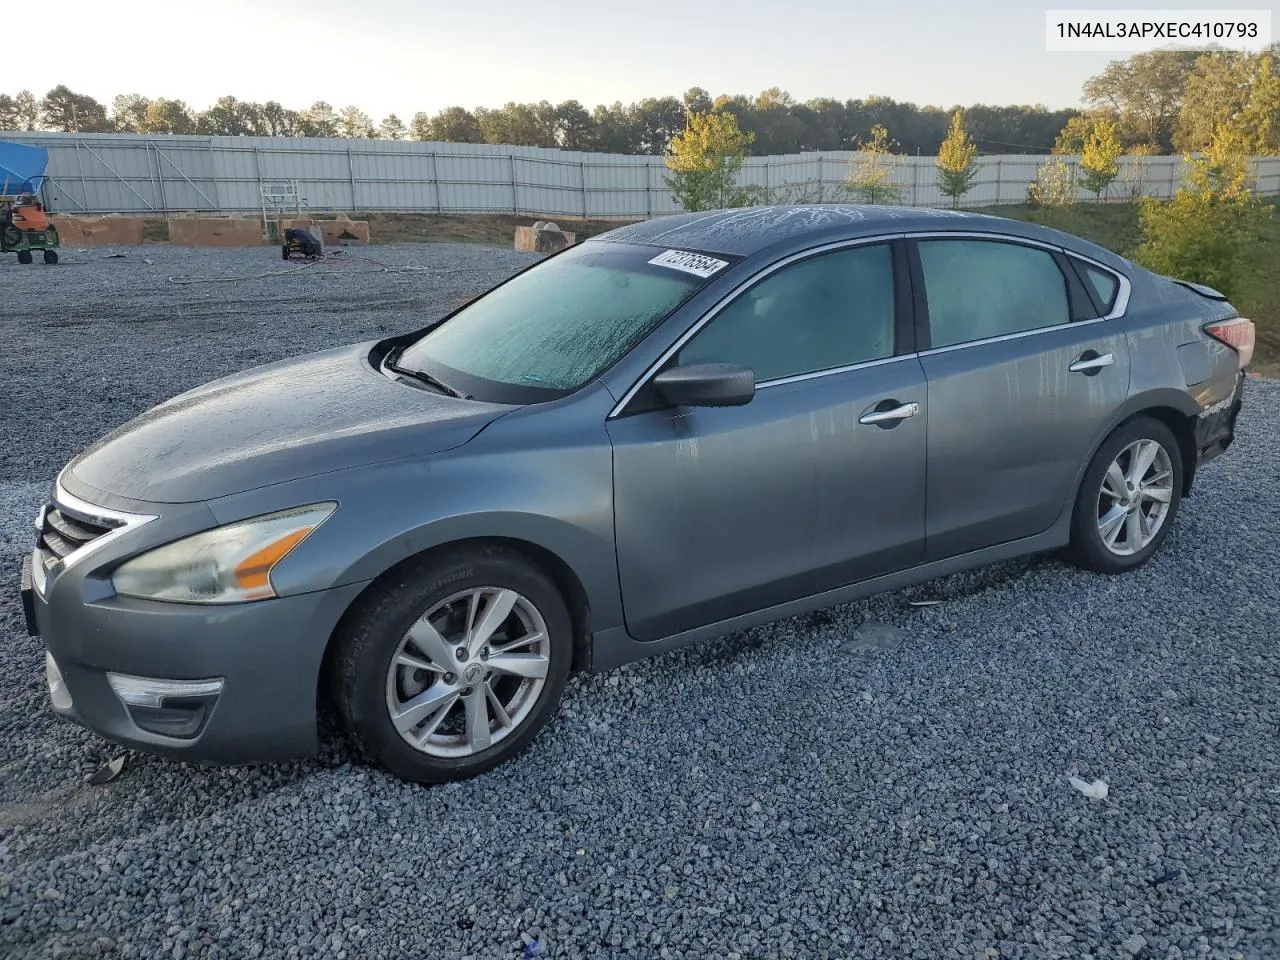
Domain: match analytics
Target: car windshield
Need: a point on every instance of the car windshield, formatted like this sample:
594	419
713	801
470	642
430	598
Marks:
553	328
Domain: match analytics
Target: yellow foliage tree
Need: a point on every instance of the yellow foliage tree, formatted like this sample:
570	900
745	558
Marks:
704	162
956	166
1100	158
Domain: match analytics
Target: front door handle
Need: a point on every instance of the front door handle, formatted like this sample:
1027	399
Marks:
1090	362
900	412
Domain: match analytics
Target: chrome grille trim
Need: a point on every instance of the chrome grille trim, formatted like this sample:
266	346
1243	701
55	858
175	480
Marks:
80	516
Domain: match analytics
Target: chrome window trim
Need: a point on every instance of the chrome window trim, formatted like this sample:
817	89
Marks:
1122	295
120	522
1118	309
729	297
1010	336
980	235
832	371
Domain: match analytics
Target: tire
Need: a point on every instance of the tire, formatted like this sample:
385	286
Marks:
1135	525
444	718
51	256
24	256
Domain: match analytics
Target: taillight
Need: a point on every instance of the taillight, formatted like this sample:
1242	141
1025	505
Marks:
1238	334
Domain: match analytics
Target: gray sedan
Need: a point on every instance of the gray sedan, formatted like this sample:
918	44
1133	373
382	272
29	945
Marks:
676	430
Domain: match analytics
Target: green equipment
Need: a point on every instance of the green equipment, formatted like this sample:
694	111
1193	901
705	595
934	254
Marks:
24	225
24	228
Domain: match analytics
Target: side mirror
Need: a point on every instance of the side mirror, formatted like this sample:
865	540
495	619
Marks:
706	385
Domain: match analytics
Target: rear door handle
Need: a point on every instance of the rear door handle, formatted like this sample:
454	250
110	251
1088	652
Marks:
1087	363
900	412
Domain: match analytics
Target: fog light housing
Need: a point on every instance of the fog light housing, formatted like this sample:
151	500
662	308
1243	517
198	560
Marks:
171	708
58	691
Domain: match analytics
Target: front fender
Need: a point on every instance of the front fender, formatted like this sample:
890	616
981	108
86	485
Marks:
559	500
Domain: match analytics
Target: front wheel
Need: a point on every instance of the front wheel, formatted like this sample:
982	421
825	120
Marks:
1128	499
24	256
452	668
51	256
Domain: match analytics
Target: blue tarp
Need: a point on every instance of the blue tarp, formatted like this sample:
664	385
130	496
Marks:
21	167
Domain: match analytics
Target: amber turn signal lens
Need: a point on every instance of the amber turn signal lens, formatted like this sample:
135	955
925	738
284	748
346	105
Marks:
253	573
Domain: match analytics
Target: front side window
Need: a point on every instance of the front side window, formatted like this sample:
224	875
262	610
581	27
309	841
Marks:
553	328
831	310
978	289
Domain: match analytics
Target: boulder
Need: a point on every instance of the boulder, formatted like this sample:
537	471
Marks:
337	233
547	240
96	231
215	232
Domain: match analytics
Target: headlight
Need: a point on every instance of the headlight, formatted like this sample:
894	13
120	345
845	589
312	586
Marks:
229	564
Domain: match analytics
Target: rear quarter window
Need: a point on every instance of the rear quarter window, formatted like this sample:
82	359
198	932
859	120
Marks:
1103	284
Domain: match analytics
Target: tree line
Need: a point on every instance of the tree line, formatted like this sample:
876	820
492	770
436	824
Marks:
777	122
1161	102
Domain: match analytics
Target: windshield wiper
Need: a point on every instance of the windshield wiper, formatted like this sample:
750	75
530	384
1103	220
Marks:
423	376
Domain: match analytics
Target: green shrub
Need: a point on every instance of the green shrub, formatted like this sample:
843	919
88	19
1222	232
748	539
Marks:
1054	185
870	178
1205	233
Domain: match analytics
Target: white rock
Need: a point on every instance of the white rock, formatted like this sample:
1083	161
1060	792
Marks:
1095	791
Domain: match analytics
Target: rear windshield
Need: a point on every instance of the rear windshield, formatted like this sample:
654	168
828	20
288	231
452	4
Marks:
555	327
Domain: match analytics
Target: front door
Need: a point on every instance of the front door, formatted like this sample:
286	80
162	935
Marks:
1022	380
816	483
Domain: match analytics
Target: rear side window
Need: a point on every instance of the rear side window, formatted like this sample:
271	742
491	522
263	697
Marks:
978	289
832	310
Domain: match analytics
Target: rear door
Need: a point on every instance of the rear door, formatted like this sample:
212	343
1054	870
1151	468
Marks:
1023	375
817	482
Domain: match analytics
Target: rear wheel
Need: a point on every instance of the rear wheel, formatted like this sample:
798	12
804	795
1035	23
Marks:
454	667
1128	499
51	256
24	256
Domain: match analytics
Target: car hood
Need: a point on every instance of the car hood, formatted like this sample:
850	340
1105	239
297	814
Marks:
295	418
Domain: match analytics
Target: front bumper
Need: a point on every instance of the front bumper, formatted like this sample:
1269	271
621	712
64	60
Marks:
107	651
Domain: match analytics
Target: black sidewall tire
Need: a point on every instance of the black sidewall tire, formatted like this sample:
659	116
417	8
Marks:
1087	549
368	641
24	256
50	256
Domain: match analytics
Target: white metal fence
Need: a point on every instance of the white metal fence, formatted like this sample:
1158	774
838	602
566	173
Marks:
162	175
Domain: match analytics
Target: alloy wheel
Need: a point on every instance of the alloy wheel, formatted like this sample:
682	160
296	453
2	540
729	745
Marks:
468	672
1135	496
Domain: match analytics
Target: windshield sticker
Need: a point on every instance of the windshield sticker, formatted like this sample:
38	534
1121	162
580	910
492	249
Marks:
695	263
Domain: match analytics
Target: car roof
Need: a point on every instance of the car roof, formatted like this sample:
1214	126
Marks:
747	231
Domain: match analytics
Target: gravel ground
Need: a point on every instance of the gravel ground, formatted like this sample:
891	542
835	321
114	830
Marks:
814	788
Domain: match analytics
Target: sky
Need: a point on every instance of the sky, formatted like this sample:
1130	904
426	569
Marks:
403	56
